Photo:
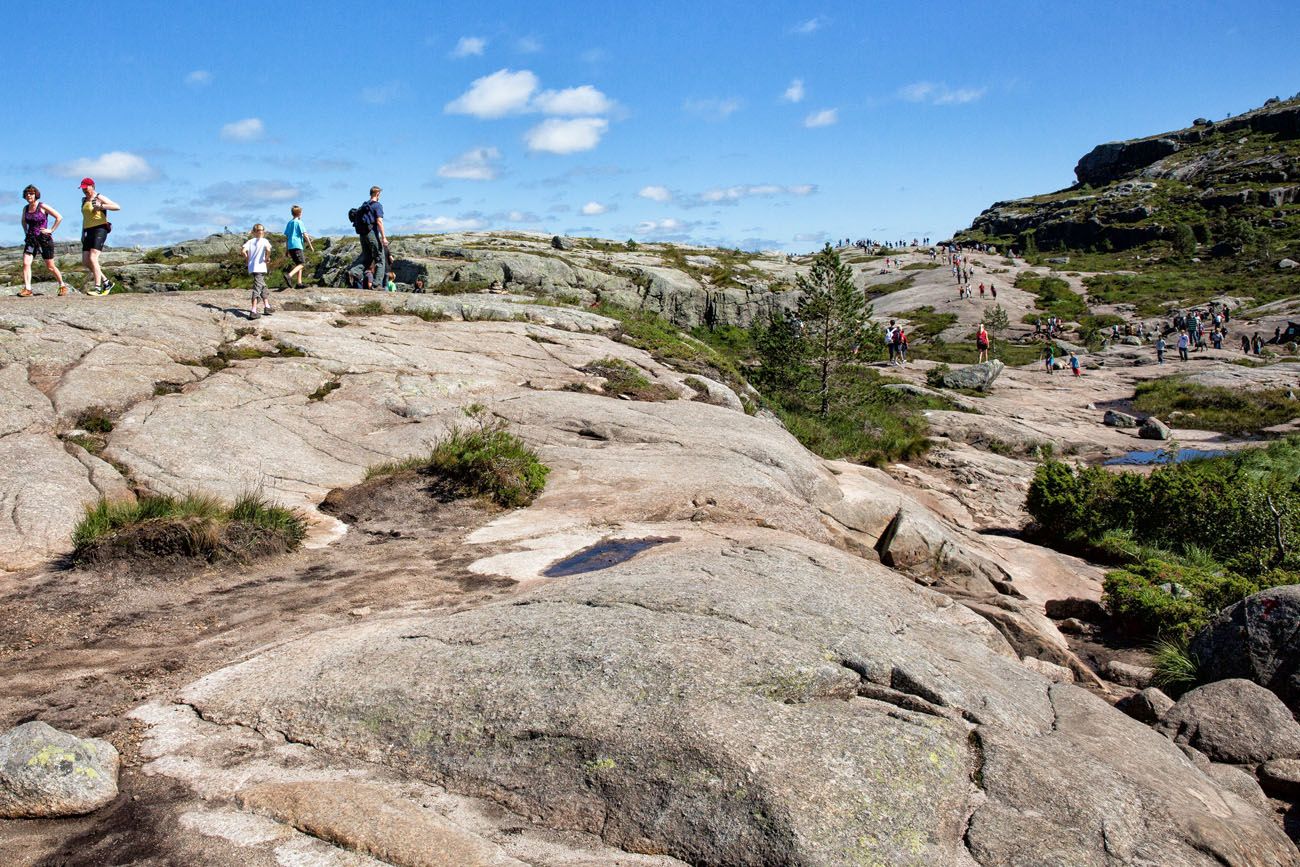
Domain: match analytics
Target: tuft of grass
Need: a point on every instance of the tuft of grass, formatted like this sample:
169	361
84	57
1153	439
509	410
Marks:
622	378
484	460
324	390
95	420
163	388
1176	668
195	526
285	350
369	308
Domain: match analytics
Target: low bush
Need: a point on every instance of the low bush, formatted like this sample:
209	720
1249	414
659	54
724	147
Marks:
1176	669
1171	600
934	376
1053	296
194	527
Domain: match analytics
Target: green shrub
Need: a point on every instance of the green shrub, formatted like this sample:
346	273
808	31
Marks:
621	378
1218	408
95	420
1053	295
1171	600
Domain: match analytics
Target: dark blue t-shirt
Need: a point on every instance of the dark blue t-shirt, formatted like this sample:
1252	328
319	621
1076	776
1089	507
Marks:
376	214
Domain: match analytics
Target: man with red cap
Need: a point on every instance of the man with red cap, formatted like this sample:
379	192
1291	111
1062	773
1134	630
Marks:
94	233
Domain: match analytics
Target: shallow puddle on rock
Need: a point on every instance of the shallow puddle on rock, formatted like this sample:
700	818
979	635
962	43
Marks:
1162	456
603	554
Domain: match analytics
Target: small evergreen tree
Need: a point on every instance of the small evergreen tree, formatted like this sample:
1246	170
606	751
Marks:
997	320
833	313
779	346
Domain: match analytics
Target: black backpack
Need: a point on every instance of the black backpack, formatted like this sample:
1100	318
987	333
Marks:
360	218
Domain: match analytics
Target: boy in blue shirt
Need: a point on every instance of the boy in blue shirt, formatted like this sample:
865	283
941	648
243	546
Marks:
294	238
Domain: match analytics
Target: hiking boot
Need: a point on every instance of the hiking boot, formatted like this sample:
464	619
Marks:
107	286
26	293
63	289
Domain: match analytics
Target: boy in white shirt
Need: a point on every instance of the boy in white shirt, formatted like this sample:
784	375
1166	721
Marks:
257	250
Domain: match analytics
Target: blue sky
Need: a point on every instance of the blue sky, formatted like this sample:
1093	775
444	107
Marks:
756	124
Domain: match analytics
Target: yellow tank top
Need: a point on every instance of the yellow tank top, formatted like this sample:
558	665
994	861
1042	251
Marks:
92	216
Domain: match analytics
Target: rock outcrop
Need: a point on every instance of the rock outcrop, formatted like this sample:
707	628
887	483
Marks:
1135	192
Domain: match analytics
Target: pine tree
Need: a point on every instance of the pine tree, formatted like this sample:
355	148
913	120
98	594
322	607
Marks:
779	346
833	314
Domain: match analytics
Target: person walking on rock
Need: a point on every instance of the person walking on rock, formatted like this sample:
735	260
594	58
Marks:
94	234
38	237
374	240
1182	346
1049	358
982	343
1160	349
257	251
1074	363
295	235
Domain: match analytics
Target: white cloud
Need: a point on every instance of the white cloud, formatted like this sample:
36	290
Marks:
248	129
812	25
199	78
810	237
445	224
120	166
594	209
585	100
497	95
713	109
477	164
566	136
939	94
794	93
655	193
469	46
825	117
666	226
247	195
528	44
733	194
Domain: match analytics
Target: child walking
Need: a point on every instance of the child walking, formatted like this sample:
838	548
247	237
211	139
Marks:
257	250
294	236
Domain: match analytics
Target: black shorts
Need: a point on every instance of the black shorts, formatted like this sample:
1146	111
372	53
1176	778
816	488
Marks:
94	238
298	257
40	243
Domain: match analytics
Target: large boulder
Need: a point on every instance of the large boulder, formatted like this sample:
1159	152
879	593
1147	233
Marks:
45	773
1257	639
1115	418
977	376
745	697
1234	721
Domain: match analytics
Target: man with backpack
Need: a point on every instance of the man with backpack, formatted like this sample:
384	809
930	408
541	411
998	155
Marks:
368	221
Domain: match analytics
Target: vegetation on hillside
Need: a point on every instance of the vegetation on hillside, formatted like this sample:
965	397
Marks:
1218	408
1189	539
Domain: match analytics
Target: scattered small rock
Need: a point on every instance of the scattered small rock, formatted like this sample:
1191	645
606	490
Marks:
1072	626
1148	705
1286	264
560	242
48	773
1138	676
1281	778
1115	418
1087	610
1153	429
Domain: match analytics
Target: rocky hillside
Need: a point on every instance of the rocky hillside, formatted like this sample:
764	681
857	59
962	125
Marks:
702	644
1231	186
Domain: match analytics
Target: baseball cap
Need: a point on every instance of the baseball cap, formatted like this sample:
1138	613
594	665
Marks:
87	182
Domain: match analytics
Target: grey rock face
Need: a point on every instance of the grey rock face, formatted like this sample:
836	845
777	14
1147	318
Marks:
1281	778
1115	418
1234	721
685	702
1153	429
1257	639
47	773
977	376
1147	705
